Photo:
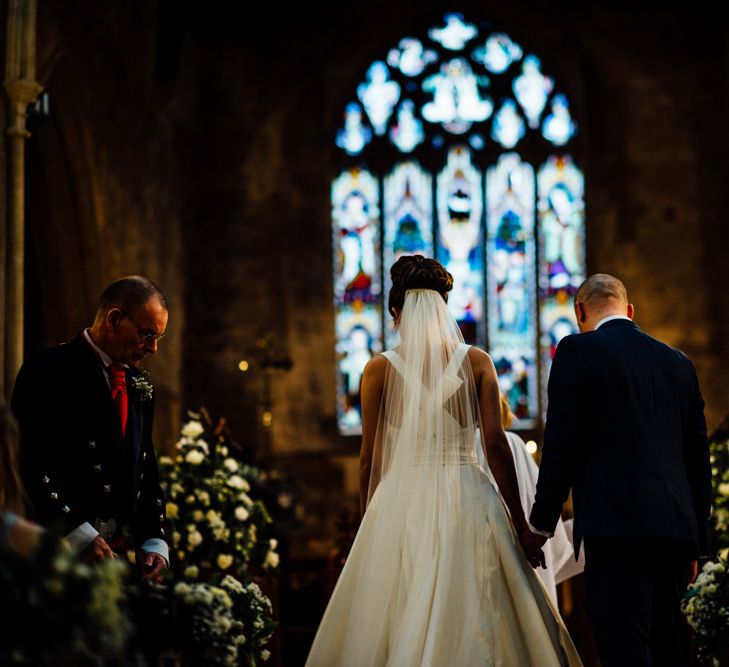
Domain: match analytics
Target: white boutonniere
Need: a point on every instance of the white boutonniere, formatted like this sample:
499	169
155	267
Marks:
142	386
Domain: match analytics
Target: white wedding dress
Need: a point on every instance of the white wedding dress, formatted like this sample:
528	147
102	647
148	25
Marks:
436	576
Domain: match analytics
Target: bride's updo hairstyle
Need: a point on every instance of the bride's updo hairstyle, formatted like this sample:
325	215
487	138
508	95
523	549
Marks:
417	272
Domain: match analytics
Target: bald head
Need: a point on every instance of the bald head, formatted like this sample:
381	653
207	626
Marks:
600	296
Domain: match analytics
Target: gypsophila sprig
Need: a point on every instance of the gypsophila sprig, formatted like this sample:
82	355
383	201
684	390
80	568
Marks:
142	387
706	607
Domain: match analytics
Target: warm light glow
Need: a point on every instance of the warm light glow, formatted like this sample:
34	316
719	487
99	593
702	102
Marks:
243	366
531	447
267	419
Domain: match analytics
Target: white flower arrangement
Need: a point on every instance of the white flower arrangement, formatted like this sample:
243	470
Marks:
706	608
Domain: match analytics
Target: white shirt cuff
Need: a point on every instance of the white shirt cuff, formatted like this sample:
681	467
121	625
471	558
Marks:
543	533
155	545
81	537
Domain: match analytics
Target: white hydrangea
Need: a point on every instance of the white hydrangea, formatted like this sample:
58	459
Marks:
231	464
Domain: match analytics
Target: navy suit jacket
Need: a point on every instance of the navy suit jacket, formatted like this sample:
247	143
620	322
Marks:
626	432
75	463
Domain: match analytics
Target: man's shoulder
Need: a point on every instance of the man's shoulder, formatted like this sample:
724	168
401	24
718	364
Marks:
58	356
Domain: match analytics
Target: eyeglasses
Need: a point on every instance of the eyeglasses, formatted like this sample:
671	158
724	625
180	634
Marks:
146	335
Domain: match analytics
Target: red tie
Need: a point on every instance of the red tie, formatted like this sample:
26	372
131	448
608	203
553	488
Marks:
118	382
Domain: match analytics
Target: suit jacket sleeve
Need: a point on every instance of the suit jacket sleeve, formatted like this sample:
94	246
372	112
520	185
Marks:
561	437
698	465
55	499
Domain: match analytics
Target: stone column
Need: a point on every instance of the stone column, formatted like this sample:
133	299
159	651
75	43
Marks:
22	90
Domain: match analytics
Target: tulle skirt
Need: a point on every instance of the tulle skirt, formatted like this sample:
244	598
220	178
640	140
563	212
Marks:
436	578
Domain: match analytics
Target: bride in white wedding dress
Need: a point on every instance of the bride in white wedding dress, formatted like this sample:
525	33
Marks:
439	573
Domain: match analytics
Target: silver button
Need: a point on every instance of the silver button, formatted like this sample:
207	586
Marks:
107	488
66	509
45	479
92	444
162	531
159	502
144	456
54	495
97	468
161	517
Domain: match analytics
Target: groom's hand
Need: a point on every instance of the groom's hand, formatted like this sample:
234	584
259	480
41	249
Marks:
532	545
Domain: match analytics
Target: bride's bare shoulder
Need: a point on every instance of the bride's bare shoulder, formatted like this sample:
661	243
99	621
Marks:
374	370
478	358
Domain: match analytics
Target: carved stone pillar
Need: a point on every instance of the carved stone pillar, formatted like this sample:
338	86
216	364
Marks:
22	90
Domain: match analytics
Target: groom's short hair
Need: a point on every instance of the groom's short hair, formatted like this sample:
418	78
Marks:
601	288
128	293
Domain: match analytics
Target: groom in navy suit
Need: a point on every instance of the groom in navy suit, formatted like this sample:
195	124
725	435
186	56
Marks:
85	412
626	433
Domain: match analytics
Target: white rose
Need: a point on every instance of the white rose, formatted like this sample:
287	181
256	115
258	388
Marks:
194	538
191	572
231	464
273	544
265	655
237	482
224	561
192	429
241	513
724	489
195	457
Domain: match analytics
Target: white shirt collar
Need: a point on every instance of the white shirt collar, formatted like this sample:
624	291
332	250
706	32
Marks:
105	358
609	318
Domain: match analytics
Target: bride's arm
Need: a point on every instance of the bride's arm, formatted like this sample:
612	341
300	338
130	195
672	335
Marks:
373	381
497	450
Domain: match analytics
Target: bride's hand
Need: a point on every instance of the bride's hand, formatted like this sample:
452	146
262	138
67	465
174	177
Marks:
532	545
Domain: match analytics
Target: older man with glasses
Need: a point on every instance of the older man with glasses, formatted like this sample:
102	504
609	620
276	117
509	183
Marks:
85	412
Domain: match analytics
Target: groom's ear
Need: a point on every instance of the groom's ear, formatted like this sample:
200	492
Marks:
580	312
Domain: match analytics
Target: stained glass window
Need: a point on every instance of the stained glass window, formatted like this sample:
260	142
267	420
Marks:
460	239
357	286
408	222
562	251
442	116
511	261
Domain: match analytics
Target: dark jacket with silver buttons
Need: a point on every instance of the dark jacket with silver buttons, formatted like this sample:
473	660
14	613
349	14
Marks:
76	465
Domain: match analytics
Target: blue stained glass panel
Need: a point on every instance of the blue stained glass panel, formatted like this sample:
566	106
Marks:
354	136
407	133
457	101
561	210
357	286
532	88
459	201
511	281
411	58
508	126
379	95
408	195
497	54
455	34
558	126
